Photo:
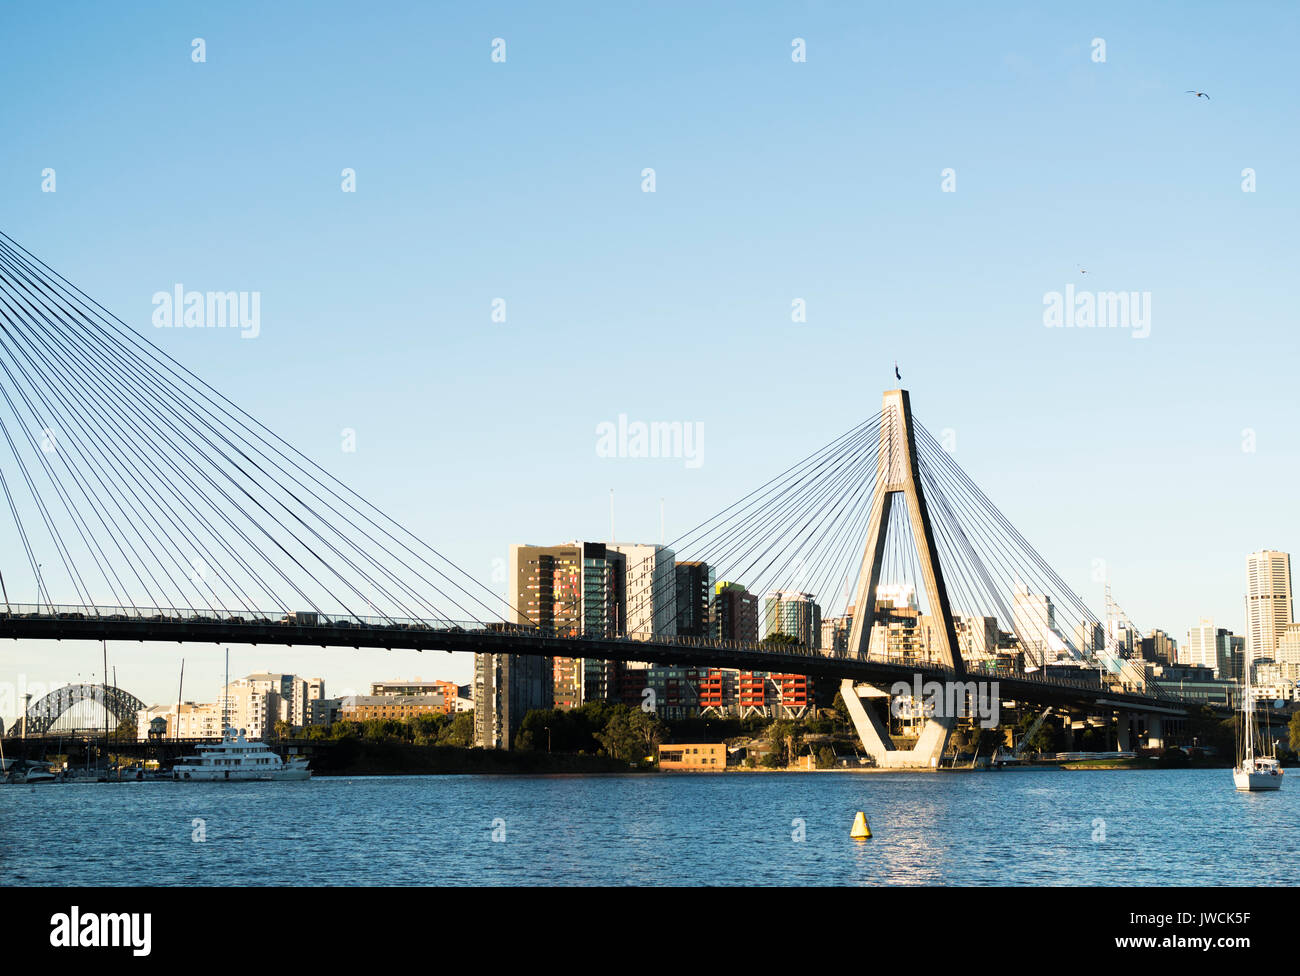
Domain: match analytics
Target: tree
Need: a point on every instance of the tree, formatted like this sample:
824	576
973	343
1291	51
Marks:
281	729
784	736
826	758
459	731
630	734
781	639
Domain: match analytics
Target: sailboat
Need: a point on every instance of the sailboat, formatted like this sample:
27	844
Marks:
1254	772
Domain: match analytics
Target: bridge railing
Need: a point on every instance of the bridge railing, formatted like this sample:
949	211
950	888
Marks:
787	655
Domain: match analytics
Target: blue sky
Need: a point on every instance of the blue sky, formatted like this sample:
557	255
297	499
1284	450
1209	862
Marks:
775	180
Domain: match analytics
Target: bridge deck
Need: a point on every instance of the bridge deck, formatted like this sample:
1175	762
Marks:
206	626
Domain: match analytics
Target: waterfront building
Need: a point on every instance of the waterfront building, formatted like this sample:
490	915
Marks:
325	711
676	691
448	690
755	694
464	698
717	691
362	708
694	756
192	722
253	704
294	694
1196	682
506	688
1268	601
793	614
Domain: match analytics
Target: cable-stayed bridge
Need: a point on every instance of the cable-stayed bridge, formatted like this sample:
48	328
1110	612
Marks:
146	506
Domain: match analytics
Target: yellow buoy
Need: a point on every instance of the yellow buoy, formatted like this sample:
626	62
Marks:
861	829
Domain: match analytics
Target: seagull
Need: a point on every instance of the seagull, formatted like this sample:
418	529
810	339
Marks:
897	374
1198	94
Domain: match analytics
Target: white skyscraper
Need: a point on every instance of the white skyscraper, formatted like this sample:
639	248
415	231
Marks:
651	590
1034	620
1208	647
1268	601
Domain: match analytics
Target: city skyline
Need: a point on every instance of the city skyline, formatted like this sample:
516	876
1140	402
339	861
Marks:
1129	464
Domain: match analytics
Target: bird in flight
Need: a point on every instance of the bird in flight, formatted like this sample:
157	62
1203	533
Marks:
1198	94
1082	269
897	374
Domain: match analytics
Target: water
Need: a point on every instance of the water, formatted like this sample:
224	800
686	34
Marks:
1176	827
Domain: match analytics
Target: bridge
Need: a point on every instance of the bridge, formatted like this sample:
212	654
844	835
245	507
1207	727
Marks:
159	510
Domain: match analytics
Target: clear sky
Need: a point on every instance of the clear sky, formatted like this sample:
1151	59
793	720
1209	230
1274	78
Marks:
776	180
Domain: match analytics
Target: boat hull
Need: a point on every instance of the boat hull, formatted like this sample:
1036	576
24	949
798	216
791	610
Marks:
1253	782
239	775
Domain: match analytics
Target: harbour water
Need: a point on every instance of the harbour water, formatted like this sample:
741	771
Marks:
1176	827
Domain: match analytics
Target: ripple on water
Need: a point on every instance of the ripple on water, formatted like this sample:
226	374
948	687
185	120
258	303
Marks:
1062	828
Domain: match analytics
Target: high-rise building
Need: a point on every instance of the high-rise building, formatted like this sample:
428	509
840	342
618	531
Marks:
252	704
506	688
1237	657
899	631
733	615
1268	601
571	589
1090	638
694	589
1288	645
1034	620
650	590
1159	647
977	637
296	695
1211	647
793	614
835	633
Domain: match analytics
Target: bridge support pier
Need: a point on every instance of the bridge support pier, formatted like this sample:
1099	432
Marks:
1155	731
876	742
1123	731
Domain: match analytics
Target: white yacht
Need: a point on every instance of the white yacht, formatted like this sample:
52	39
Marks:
1254	772
234	758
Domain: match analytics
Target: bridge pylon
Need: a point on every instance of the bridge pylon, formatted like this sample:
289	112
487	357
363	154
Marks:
897	475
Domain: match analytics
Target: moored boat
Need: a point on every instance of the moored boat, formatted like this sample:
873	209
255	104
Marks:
235	759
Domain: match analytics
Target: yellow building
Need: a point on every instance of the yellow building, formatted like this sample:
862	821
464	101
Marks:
708	756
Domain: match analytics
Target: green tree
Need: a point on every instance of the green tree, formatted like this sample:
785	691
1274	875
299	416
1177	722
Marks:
630	734
459	731
779	638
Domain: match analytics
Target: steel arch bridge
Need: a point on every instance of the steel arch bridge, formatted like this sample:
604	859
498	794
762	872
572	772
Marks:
43	713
